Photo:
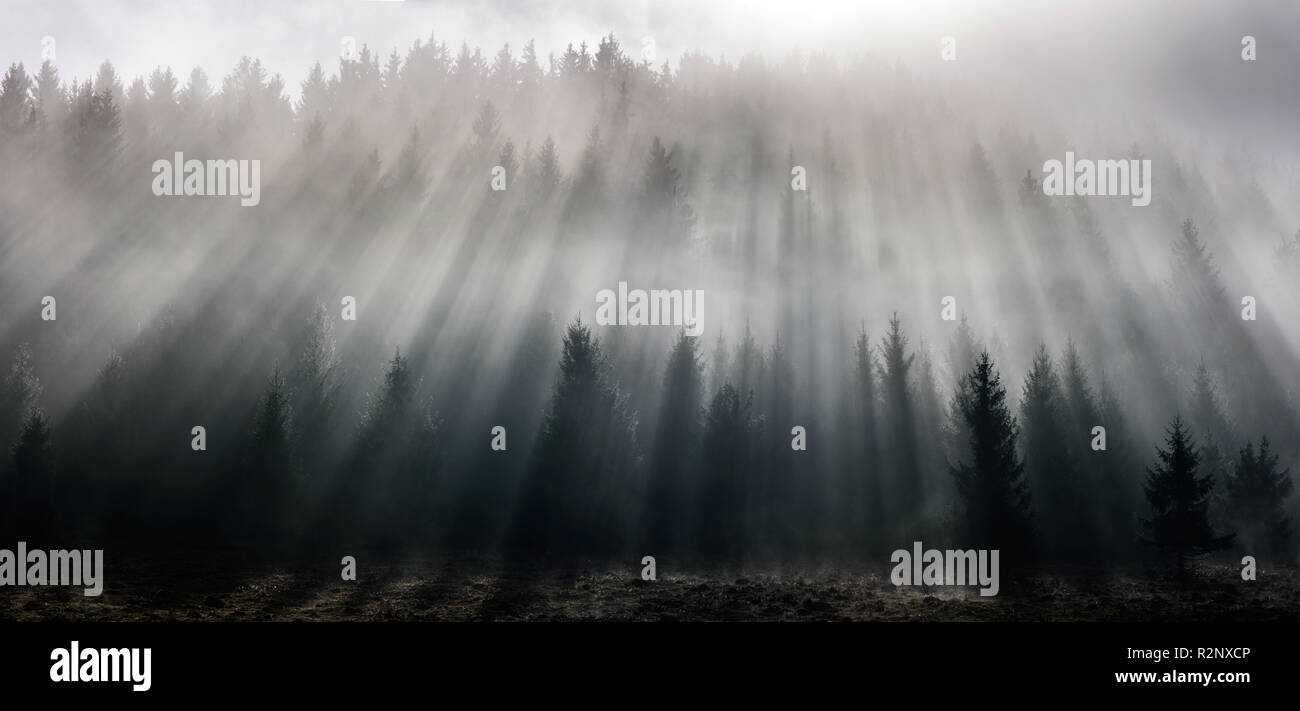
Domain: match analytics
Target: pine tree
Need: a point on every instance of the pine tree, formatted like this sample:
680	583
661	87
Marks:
15	105
544	177
394	480
33	472
1121	480
20	390
49	97
408	177
1179	499
487	127
719	364
990	480
721	523
270	472
666	217
866	405
1257	494
1207	420
194	98
963	350
1051	465
587	460
898	418
317	99
748	365
1196	278
508	160
587	193
677	440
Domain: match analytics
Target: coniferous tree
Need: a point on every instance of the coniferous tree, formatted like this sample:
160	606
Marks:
777	494
928	430
719	364
1257	496
990	478
721	524
487	127
15	104
545	176
20	390
1121	480
1196	278
48	94
1179	498
897	415
33	472
577	496
677	440
314	387
1206	419
866	406
963	350
1051	465
268	478
748	366
666	216
398	457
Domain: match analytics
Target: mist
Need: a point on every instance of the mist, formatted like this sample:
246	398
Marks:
859	200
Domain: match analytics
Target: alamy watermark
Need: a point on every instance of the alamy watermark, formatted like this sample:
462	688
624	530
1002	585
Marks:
1085	177
61	567
193	177
130	664
949	567
655	307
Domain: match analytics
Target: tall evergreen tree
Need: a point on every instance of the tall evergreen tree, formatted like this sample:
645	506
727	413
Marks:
578	493
1196	278
48	94
1257	495
898	419
1179	498
15	104
314	387
269	476
676	445
544	174
33	472
724	501
1207	420
869	492
398	457
990	479
1051	465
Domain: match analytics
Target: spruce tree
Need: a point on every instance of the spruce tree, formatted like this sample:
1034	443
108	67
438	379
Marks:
394	480
270	472
723	510
577	495
676	443
1257	495
897	416
1179	498
1050	468
990	480
869	494
33	462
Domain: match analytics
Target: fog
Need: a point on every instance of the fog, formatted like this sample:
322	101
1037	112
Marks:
673	168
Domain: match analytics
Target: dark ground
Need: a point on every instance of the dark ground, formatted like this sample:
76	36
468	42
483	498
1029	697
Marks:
220	585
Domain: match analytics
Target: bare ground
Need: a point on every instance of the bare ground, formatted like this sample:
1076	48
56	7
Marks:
217	586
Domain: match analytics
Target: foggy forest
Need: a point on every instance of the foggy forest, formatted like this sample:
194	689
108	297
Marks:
435	220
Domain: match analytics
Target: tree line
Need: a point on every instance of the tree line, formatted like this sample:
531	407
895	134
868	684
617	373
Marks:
718	480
